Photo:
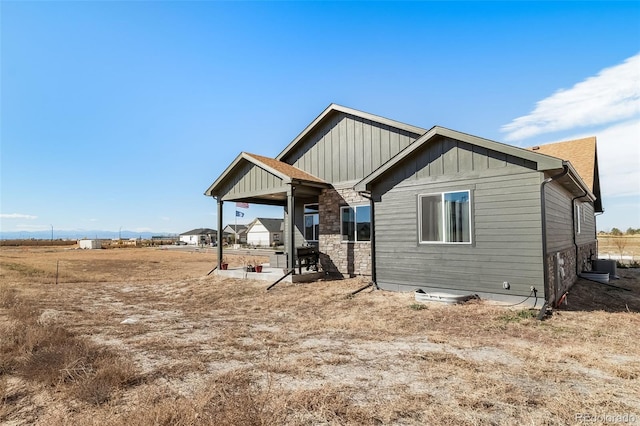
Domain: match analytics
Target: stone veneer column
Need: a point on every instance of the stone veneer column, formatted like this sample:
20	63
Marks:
337	257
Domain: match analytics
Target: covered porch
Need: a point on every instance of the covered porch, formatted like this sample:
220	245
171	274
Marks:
256	179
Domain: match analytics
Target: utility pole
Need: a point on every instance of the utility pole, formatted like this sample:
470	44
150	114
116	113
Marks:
120	233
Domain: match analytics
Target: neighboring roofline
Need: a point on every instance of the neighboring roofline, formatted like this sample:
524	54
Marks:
191	232
260	219
365	115
544	162
257	162
233	226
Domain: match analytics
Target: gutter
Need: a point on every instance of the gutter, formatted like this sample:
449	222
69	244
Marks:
545	264
367	195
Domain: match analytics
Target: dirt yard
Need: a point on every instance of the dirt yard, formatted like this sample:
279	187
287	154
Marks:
144	336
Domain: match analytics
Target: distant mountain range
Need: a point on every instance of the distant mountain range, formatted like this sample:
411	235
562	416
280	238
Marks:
80	234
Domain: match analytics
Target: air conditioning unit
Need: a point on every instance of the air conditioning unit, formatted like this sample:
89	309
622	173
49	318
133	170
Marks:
605	265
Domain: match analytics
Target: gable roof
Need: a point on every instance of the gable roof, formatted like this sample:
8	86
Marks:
282	170
543	162
580	152
237	229
339	108
272	225
583	156
286	171
201	231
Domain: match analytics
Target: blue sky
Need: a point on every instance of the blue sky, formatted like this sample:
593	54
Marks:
121	114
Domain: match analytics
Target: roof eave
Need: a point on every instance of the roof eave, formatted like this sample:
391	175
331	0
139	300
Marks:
543	162
575	177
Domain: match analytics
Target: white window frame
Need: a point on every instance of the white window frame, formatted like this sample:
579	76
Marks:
578	218
443	230
355	237
305	221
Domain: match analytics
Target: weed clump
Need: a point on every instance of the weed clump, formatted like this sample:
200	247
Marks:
51	356
417	306
518	316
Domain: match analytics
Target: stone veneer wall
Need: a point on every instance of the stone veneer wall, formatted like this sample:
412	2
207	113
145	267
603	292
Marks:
562	268
337	257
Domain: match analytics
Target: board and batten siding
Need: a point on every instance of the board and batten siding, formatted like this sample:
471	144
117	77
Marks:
346	148
506	223
251	180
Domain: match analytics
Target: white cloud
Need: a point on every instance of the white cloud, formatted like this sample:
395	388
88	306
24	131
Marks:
611	96
17	216
619	159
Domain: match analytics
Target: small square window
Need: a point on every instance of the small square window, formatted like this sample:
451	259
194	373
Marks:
445	217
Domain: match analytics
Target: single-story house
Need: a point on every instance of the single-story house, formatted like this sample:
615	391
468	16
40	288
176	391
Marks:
238	232
265	232
199	236
431	209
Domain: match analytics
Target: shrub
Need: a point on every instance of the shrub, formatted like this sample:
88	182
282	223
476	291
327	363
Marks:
52	356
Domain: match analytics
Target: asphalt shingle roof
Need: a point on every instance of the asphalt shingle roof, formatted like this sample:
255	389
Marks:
200	231
581	153
286	169
272	225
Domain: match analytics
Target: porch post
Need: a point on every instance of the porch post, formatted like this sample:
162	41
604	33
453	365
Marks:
291	244
219	247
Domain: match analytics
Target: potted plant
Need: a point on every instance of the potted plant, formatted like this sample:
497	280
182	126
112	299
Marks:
224	264
250	268
258	265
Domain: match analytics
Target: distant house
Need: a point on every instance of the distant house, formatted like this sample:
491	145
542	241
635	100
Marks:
237	232
432	209
265	232
199	236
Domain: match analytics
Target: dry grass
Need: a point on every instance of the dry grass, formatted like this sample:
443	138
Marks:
201	350
625	245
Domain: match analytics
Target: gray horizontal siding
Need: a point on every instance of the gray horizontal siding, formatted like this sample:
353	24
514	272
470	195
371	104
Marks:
559	218
588	228
346	148
506	226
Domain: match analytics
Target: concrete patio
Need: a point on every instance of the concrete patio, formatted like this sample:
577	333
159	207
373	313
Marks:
270	274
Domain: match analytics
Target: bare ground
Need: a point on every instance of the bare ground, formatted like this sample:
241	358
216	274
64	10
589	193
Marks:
157	341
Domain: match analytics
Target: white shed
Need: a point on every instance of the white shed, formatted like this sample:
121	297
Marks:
90	244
